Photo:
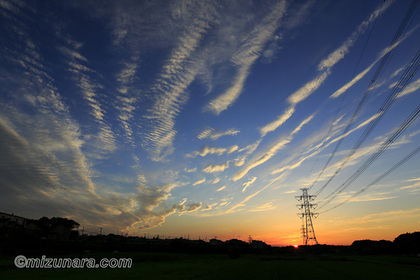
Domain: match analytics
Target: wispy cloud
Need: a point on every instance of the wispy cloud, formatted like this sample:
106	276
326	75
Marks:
147	207
14	7
209	206
204	151
47	163
325	143
362	124
367	198
414	86
89	93
191	170
344	88
262	159
249	150
271	151
325	66
412	180
297	97
192	207
242	203
215	181
396	72
345	197
298	163
303	93
278	122
361	154
289	192
221	189
212	134
265	207
216	168
199	182
73	54
380	217
412	187
339	53
225	202
364	72
177	74
54	185
105	140
44	145
127	99
247	184
246	56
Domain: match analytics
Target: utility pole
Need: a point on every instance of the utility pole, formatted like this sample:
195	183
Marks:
306	216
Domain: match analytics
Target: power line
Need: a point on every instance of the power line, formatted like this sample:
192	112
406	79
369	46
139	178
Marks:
404	80
371	86
406	77
344	96
386	173
408	121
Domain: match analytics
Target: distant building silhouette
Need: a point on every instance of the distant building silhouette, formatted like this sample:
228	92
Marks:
13	218
216	242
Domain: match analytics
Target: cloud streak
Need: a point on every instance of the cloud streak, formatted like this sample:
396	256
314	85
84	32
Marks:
105	138
247	184
414	86
127	100
246	56
364	72
325	66
199	182
272	151
216	168
177	74
279	121
285	168
206	150
214	135
265	207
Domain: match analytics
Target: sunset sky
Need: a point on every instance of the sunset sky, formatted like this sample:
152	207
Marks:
206	118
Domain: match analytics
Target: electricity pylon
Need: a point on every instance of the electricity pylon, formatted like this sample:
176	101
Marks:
306	206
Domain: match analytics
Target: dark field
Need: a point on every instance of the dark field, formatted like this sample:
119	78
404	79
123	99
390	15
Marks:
215	266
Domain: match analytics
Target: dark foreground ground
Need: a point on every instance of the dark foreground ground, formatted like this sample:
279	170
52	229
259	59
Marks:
218	266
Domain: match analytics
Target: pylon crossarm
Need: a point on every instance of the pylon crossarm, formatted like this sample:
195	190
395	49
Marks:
313	206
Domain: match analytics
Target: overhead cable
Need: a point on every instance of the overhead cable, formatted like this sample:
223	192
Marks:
397	132
386	173
371	86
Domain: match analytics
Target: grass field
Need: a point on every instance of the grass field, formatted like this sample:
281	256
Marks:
183	266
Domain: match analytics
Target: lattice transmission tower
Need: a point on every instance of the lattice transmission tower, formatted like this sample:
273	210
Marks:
306	206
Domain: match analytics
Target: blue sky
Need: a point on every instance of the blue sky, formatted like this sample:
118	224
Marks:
206	118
